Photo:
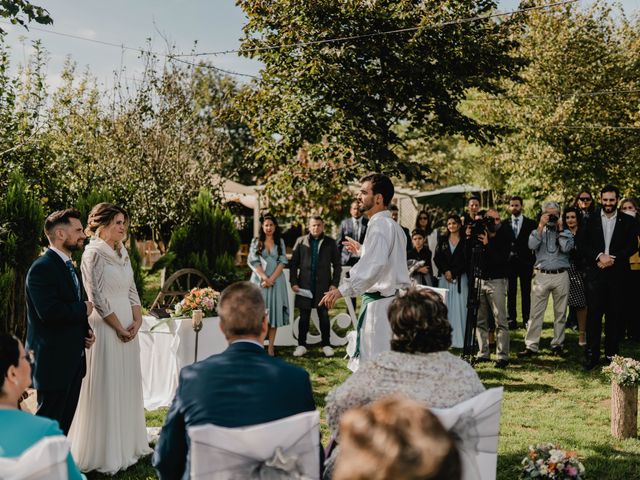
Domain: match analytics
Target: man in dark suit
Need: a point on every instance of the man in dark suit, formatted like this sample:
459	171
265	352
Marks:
242	386
607	241
521	260
395	214
354	227
58	330
314	266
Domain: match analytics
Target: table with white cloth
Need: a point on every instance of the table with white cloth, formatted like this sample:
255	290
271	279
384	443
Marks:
171	346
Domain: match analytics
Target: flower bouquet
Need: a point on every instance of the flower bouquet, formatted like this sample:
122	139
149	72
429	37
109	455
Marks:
623	371
205	299
549	461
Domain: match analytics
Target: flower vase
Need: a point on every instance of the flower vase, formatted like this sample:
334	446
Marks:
196	320
624	411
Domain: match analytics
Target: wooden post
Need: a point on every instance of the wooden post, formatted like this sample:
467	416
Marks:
624	411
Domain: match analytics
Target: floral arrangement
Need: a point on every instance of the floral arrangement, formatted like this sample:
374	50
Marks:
205	299
623	371
549	461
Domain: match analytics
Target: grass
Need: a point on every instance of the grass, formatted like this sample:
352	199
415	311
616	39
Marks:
546	399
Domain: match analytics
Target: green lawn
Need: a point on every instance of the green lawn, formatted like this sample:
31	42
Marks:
547	399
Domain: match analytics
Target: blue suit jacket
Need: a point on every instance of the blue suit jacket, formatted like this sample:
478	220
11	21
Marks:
241	386
56	323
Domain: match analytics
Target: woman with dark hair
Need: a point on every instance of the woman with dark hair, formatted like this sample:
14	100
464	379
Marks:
451	260
267	259
423	222
418	365
629	206
395	438
108	432
577	271
585	205
21	430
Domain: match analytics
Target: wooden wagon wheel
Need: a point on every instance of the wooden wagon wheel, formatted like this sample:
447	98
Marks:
178	284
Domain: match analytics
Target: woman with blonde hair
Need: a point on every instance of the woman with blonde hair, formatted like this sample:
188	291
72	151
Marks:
108	432
395	438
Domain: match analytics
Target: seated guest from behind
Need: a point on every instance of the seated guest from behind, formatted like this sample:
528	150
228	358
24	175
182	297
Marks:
239	387
395	438
419	259
21	430
418	365
552	244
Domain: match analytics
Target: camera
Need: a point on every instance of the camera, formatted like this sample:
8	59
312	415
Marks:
552	222
482	225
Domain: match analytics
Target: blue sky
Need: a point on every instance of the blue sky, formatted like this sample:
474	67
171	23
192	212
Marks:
214	24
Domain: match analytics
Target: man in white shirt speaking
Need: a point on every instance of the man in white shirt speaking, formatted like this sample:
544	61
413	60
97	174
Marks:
381	271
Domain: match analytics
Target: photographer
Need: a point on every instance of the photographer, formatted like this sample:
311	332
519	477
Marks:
495	243
552	245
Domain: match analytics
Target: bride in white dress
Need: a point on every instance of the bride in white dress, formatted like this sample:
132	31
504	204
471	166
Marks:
108	432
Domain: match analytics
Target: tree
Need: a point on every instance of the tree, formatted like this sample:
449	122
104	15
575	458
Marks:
350	95
21	12
565	123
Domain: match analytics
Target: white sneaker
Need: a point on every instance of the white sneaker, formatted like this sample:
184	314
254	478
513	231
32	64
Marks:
299	351
328	351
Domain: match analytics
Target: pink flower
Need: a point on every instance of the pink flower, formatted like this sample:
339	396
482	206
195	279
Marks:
571	470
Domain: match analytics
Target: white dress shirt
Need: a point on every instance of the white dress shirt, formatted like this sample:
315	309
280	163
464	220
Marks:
608	225
383	260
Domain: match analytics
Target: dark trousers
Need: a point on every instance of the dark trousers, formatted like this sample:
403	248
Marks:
61	405
303	326
605	294
631	313
524	272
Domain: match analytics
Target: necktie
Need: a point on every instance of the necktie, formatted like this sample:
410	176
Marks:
515	226
356	229
74	276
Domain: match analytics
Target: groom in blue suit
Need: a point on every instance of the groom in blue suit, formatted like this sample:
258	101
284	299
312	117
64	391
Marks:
242	386
57	327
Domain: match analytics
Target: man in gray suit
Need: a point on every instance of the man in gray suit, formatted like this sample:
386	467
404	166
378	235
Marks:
314	267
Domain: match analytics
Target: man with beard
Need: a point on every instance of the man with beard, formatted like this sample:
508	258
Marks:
608	240
380	273
58	330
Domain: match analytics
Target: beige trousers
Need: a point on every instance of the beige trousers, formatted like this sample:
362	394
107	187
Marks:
493	295
543	285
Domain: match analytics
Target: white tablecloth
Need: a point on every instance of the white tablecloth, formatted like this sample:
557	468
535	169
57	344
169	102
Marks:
167	349
171	346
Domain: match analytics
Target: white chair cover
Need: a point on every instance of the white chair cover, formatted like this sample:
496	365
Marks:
475	423
287	448
45	460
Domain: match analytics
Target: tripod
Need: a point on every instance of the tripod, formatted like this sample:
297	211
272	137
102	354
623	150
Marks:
473	304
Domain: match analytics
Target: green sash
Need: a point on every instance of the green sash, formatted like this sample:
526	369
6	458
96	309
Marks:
367	298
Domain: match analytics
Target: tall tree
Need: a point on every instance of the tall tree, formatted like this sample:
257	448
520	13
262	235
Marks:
350	94
573	120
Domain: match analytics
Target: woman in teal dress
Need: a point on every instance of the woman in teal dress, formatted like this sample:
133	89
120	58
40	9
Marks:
21	430
267	259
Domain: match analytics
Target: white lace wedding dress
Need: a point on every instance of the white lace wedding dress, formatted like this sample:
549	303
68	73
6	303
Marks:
108	432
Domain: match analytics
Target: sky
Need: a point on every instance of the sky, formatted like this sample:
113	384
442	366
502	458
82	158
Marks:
215	25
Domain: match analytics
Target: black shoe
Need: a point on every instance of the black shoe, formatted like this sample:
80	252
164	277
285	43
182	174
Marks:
482	359
557	350
607	360
590	364
527	353
502	363
525	324
513	325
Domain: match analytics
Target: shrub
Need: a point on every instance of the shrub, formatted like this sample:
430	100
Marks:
208	241
21	221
